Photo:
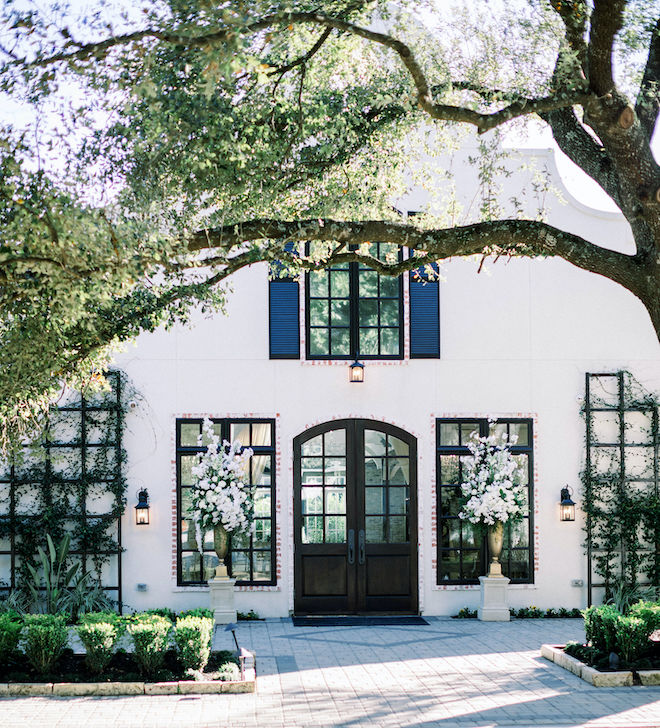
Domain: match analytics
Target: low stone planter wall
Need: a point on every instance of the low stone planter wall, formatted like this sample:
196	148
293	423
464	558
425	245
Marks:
556	654
181	687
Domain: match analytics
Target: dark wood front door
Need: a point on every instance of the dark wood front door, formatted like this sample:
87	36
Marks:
355	518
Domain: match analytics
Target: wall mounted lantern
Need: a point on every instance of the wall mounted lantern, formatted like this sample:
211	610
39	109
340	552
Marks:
566	505
142	508
356	372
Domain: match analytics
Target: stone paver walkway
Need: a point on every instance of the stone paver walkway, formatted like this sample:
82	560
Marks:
451	673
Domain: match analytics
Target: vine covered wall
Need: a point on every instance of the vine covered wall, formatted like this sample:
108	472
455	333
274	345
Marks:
70	480
621	479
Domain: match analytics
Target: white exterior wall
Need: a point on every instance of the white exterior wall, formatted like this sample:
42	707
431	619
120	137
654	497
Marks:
515	341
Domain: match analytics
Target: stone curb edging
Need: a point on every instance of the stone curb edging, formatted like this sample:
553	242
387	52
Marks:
179	687
556	654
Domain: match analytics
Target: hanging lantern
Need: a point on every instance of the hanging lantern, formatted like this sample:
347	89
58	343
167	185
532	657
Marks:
142	508
566	505
356	372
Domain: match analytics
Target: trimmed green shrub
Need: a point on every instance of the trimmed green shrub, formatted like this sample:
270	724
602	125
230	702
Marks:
632	638
229	671
649	612
193	638
149	633
600	625
163	612
10	634
44	639
197	612
99	632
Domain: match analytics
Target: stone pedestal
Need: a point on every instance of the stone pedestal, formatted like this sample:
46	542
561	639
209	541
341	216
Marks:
494	605
221	591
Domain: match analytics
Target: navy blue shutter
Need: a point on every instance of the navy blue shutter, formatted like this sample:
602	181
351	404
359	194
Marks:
284	317
424	316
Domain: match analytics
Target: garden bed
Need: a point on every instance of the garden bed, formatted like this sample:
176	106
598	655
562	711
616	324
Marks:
122	677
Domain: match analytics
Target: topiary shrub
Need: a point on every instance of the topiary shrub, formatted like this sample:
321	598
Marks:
99	632
600	625
10	634
193	639
632	638
649	612
44	639
149	633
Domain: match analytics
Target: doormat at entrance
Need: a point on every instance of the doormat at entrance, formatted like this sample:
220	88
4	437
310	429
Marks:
357	621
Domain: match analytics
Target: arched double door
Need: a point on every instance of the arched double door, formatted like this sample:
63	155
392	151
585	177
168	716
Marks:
355	519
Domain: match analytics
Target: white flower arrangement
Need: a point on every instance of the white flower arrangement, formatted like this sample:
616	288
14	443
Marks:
492	482
220	494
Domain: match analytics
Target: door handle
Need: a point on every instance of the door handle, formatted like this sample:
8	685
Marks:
351	546
361	554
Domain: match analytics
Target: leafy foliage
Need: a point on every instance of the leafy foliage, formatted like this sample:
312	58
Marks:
158	140
99	634
10	634
45	637
192	636
149	634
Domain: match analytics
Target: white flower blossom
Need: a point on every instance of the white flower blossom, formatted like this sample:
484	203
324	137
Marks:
220	494
492	482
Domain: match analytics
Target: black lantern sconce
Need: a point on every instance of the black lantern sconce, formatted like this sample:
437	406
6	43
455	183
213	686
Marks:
566	505
356	372
142	508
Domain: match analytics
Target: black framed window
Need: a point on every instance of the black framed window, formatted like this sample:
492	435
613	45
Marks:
252	557
352	311
462	550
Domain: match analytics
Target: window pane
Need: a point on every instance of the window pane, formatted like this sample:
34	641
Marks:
471	536
368	312
389	342
398	529
339	311
240	431
312	529
318	283
449	500
318	312
389	313
374	442
335	442
339	287
374	500
451	533
519	430
335	471
188	536
398	499
340	342
187	461
318	342
240	565
450	565
471	565
469	429
190	567
449	433
335	529
398	471
186	502
260	469
261	566
313	446
335	500
374	528
312	500
312	470
368	284
189	434
262	502
374	471
368	342
449	469
262	533
210	562
389	286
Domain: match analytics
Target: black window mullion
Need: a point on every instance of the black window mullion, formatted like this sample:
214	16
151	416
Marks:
354	308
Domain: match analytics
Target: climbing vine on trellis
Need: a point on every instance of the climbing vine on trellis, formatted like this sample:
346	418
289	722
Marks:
621	497
69	480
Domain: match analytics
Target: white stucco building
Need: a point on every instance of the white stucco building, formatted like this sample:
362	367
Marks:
356	482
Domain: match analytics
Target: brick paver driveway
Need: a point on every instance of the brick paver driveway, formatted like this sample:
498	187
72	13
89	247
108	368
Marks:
447	674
